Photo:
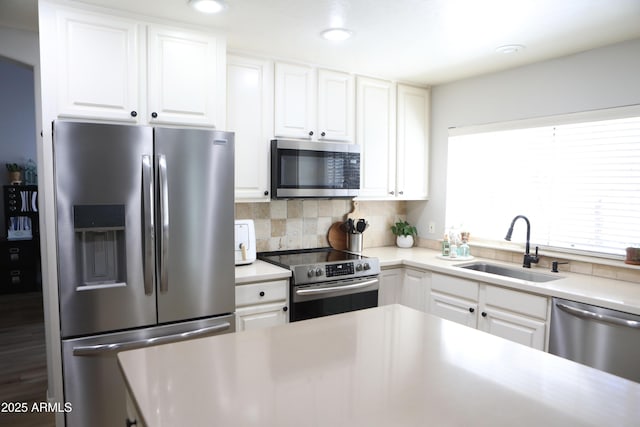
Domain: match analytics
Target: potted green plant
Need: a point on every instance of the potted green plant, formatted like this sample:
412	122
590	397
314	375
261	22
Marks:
404	233
14	173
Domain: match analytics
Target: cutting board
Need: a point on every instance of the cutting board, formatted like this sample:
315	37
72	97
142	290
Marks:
355	212
336	237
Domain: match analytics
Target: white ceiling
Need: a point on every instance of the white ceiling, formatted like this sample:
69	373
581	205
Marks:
422	41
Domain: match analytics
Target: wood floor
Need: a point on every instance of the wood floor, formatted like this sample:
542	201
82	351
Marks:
23	367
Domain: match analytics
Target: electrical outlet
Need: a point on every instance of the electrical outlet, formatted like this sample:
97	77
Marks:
432	227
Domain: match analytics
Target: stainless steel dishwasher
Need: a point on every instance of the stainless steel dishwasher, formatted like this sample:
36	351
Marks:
602	338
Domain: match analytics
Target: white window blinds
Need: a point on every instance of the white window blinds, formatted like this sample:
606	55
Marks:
578	183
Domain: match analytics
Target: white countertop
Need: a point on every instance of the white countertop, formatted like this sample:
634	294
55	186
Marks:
259	271
610	293
386	366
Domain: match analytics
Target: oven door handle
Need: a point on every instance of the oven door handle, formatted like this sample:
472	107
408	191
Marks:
328	289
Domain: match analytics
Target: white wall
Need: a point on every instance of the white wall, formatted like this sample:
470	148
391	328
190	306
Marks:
600	78
19	45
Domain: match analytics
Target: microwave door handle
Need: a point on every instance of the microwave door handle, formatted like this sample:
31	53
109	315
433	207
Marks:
164	222
148	225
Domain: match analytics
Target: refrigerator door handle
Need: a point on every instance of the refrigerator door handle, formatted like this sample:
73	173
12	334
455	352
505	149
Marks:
94	350
148	215
164	222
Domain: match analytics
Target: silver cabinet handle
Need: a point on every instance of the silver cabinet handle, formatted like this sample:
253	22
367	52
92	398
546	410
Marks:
148	226
335	288
92	350
585	314
164	222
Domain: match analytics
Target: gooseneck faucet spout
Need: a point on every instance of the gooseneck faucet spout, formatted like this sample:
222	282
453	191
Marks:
528	259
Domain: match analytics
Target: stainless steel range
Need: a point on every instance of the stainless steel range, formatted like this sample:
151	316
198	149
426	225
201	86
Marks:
326	281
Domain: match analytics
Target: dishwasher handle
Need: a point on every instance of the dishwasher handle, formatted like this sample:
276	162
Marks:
586	314
94	350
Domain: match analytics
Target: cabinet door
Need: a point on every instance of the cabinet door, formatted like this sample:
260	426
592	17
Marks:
375	132
457	310
261	316
185	77
390	286
454	299
336	106
249	115
98	61
413	143
514	315
514	327
415	289
295	99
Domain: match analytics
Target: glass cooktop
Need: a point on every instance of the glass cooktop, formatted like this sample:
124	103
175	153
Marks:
298	257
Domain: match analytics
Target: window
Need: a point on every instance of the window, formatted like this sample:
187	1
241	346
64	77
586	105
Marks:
576	177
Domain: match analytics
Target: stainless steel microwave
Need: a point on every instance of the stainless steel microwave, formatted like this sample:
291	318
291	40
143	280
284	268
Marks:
304	169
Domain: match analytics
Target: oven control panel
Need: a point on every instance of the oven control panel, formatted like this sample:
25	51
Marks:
335	271
342	269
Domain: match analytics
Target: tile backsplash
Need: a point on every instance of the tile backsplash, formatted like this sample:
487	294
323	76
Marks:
296	224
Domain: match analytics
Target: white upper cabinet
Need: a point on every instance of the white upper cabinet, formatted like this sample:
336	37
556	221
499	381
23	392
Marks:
294	101
412	176
250	116
392	126
114	68
98	65
376	135
336	105
184	74
313	104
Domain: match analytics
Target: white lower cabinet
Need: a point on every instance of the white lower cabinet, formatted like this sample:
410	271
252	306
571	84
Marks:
454	299
415	289
404	286
517	316
261	305
390	286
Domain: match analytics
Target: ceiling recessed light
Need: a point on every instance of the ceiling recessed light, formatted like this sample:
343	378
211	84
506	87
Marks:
509	48
336	34
208	6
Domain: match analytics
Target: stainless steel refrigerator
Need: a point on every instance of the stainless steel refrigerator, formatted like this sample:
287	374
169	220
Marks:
145	229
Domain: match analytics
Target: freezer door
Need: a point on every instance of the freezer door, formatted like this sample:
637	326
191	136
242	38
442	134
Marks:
93	383
104	191
195	232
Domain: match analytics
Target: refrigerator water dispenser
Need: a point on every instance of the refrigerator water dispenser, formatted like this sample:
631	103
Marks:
100	245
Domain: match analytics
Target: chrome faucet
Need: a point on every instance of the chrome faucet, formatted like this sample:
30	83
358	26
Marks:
528	258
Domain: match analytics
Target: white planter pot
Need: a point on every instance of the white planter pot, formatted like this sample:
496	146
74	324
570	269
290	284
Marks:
404	241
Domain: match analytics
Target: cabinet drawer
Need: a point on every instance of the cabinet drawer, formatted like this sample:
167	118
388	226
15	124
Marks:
516	301
18	253
455	286
258	293
18	280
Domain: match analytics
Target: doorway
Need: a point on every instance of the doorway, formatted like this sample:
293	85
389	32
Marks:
23	364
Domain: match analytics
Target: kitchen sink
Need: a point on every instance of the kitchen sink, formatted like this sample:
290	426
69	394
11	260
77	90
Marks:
515	273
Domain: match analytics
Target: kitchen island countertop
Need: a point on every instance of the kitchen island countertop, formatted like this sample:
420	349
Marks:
384	366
